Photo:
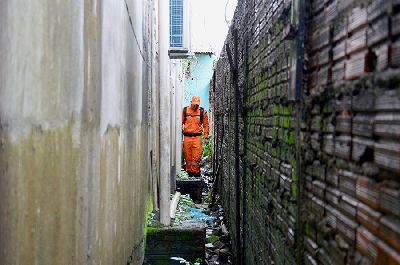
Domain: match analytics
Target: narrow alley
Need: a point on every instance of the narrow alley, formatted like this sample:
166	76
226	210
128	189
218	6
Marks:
200	132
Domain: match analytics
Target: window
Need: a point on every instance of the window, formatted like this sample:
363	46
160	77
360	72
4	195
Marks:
176	23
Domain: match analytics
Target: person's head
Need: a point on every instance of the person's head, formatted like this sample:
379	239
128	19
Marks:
195	102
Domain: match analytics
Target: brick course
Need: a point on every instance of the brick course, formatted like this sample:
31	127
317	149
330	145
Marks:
319	177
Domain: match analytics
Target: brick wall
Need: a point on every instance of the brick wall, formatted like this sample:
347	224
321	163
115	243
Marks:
319	177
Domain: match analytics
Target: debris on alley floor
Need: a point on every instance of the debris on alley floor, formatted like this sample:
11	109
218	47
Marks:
218	246
206	173
192	186
217	242
186	212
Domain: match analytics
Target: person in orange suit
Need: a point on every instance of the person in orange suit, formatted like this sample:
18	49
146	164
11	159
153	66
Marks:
194	121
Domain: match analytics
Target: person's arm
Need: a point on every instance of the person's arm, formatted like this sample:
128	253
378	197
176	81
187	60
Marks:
205	125
183	118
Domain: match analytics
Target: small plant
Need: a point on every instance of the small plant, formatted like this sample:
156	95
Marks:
198	261
150	218
207	199
212	239
207	148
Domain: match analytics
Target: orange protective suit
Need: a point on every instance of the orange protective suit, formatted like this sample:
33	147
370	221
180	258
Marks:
192	130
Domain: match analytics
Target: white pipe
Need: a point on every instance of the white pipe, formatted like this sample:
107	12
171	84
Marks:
165	114
178	117
174	204
155	94
174	69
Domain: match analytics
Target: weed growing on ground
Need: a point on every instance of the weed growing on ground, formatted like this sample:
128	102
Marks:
207	148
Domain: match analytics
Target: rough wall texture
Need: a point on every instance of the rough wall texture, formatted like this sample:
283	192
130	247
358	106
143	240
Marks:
352	160
318	178
75	79
268	190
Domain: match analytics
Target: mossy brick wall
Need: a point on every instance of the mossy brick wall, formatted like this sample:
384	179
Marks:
266	133
352	150
337	150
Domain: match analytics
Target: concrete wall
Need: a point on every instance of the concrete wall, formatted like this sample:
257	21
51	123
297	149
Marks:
76	83
177	87
318	178
197	78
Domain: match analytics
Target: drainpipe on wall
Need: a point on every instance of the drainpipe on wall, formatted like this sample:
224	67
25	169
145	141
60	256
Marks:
178	117
173	69
165	114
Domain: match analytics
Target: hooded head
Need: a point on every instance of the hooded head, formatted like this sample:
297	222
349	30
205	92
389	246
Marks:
195	102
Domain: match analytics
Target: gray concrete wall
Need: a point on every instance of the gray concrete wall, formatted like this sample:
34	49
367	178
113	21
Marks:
75	82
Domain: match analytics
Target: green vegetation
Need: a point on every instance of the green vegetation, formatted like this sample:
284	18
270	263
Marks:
149	214
215	61
150	230
207	199
150	219
212	239
207	149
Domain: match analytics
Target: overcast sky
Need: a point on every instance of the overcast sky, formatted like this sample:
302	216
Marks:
209	27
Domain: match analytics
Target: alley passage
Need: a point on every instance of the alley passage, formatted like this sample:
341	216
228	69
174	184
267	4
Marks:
304	118
198	233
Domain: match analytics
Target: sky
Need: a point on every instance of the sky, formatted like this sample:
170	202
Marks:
209	25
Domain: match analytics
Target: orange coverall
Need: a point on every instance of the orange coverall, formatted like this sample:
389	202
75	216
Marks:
192	129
